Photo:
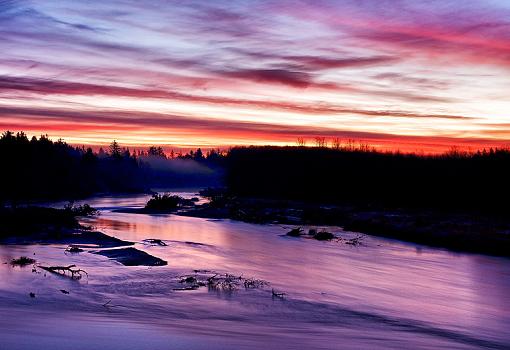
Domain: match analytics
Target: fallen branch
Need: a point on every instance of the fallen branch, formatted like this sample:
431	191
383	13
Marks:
108	305
155	241
224	282
74	272
250	283
356	241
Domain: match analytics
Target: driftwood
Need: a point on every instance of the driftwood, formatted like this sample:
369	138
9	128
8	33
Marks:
155	241
108	305
227	282
70	271
223	282
190	283
251	283
356	241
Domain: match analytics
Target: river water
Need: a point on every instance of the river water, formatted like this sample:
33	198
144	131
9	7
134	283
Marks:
383	294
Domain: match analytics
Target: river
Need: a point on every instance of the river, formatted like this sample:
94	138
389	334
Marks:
382	294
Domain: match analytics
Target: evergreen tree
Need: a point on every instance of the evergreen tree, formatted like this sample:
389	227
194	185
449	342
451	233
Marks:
115	151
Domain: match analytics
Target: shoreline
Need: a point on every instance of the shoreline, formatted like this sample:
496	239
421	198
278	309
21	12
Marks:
45	226
454	231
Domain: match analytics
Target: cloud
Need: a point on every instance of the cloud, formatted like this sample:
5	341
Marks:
313	63
317	63
295	79
173	121
118	124
60	87
421	82
383	60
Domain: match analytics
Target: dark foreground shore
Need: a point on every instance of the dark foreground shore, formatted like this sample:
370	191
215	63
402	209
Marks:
43	225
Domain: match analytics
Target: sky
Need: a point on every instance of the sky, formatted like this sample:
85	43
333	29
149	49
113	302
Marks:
394	74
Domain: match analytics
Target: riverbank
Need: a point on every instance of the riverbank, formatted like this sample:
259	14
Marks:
44	225
463	232
31	225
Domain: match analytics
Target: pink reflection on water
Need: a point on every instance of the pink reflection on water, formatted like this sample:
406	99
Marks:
385	290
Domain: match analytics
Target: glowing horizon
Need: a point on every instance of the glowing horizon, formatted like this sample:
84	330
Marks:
393	74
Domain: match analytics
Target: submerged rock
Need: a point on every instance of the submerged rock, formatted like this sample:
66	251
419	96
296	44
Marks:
324	236
74	249
295	232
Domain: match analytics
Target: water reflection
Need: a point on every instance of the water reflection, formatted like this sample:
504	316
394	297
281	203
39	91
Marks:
384	292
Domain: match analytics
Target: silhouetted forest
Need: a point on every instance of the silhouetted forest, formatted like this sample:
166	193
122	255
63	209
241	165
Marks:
39	168
454	180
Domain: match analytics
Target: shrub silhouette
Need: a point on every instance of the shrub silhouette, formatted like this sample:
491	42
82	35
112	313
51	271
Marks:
163	202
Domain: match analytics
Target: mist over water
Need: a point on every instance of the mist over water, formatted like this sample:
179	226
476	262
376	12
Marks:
382	294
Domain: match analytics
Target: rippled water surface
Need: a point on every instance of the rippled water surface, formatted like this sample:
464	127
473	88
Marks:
382	294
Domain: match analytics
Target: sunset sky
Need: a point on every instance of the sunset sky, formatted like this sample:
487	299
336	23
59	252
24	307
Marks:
412	75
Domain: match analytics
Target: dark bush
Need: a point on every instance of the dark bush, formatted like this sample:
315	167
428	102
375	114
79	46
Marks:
22	261
324	236
163	202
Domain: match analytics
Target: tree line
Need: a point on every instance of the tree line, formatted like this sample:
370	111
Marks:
39	168
454	180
